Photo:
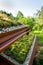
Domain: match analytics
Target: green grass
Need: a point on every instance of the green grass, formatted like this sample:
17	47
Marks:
38	60
40	39
8	23
20	48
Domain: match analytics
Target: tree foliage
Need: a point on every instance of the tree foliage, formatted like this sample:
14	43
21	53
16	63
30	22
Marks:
19	15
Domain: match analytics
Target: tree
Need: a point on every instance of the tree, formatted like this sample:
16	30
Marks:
27	21
39	19
19	15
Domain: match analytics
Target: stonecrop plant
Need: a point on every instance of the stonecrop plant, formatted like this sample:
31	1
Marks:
19	49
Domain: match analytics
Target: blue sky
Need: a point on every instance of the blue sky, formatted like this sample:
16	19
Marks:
27	7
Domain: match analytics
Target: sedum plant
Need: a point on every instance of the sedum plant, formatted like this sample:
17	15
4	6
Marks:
19	49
